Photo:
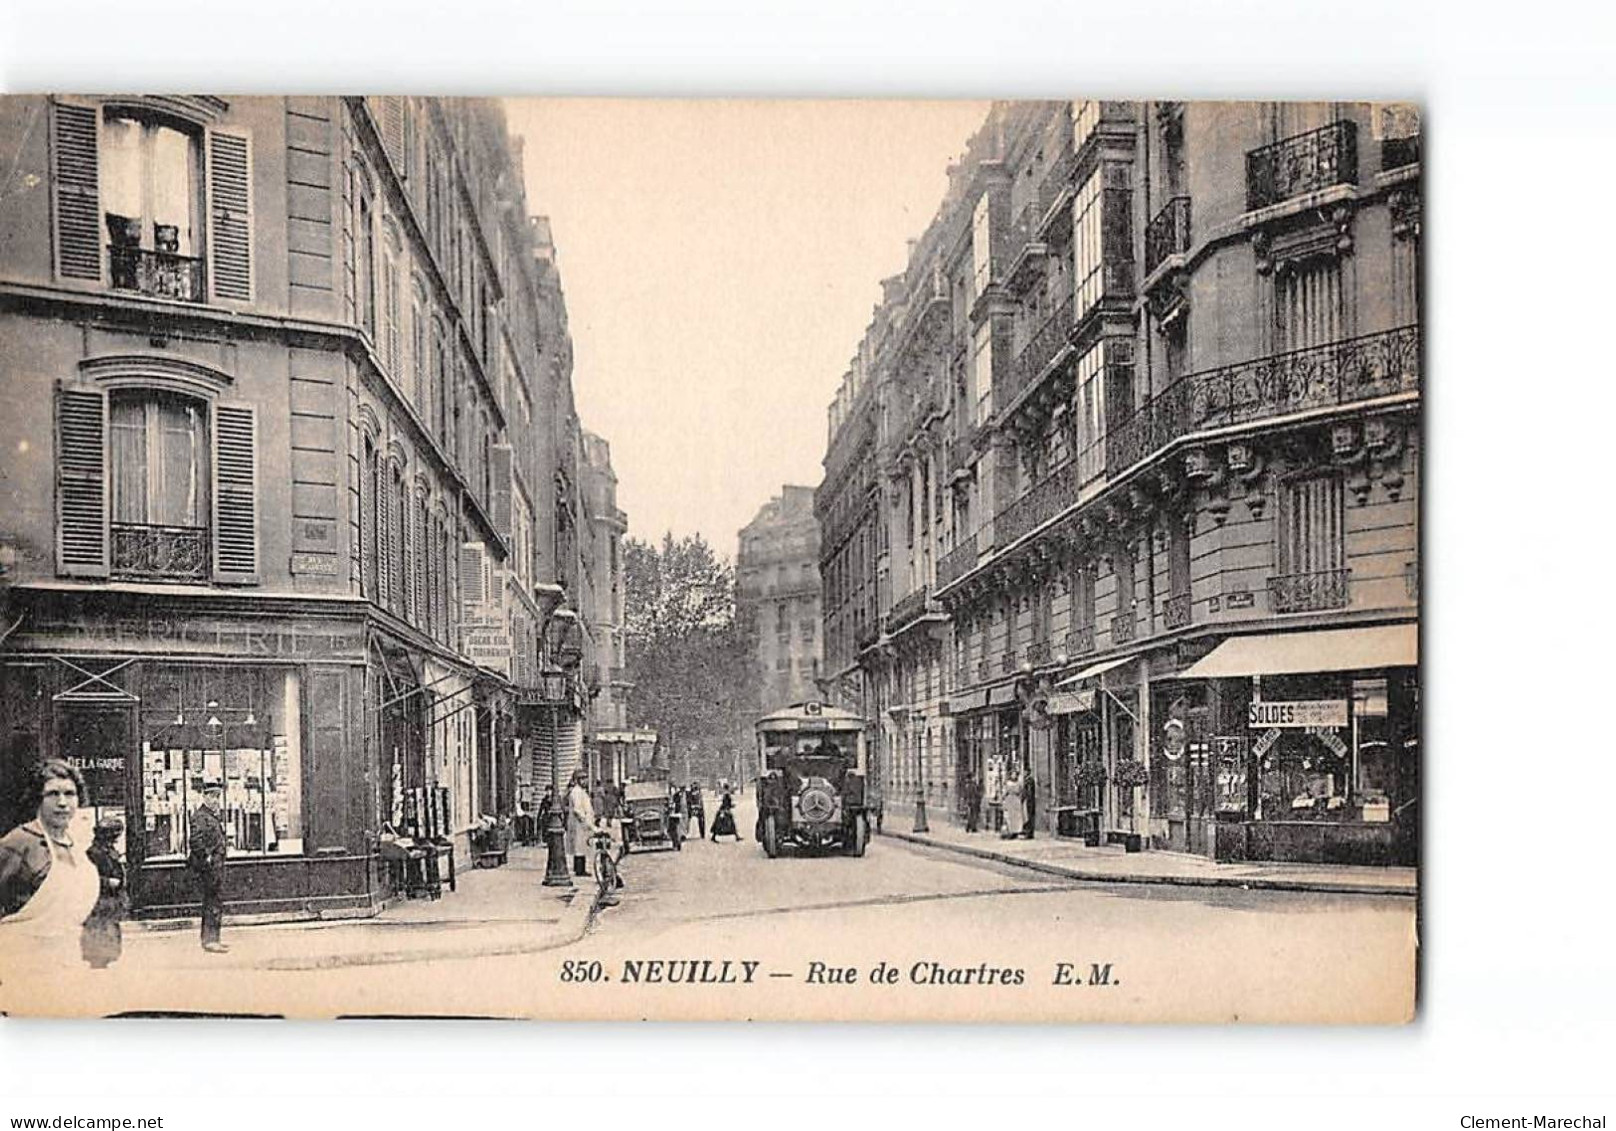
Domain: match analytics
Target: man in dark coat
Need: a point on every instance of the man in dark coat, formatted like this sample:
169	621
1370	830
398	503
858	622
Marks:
206	863
973	803
102	942
698	808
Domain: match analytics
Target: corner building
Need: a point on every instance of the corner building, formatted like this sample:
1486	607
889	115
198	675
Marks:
777	594
277	475
1129	460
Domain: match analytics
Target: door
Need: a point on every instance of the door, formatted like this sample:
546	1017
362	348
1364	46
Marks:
99	743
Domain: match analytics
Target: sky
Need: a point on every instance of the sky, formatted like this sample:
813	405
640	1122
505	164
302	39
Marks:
720	262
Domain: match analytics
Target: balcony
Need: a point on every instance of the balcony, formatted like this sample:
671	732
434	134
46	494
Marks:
1007	660
866	635
1399	152
171	553
1176	611
1168	234
1122	626
984	670
1304	163
1038	653
1036	357
1048	497
910	609
1309	592
1359	369
1080	641
159	274
957	562
1028	249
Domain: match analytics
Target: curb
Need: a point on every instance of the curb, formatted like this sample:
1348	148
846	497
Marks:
1250	883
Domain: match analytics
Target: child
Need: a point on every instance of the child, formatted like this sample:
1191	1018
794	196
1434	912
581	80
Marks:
102	941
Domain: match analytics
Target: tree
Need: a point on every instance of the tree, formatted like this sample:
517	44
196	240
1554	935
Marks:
688	657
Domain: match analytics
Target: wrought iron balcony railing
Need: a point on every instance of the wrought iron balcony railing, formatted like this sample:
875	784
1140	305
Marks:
1040	350
1168	234
1176	611
1007	660
1047	498
1399	152
1038	653
1122	626
1080	641
161	274
909	609
865	634
957	562
172	552
1357	369
1308	162
1310	592
984	670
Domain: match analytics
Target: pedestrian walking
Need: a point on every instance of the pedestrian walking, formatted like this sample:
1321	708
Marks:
724	819
1010	801
1029	801
698	808
48	886
580	824
973	803
541	816
102	941
209	845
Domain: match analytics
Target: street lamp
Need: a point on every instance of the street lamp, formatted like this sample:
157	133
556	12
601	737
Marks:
563	642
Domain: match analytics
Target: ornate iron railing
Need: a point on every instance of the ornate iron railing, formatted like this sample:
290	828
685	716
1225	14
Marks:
1168	234
1358	369
161	274
984	670
957	562
1310	592
146	550
908	609
1176	611
1399	152
1036	355
1007	660
1057	179
866	634
1308	162
1080	641
1038	653
1122	625
1048	497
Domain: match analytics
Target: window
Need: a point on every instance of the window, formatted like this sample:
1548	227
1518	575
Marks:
154	483
151	182
1308	307
364	254
1088	403
982	372
981	246
1088	258
370	490
1312	526
1085	120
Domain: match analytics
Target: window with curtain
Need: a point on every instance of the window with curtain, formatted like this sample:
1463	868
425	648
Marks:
1312	526
159	484
1088	406
1087	254
151	194
1308	307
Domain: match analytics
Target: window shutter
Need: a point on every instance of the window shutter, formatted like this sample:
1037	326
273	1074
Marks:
473	584
423	554
76	189
384	545
230	215
81	481
235	493
392	130
499	471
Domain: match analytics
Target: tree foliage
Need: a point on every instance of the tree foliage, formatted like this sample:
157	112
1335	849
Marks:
688	657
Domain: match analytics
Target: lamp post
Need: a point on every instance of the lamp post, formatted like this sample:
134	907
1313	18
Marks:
920	785
564	646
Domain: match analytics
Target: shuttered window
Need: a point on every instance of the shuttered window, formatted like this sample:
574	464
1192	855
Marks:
235	495
1312	527
369	492
1308	308
981	246
151	204
81	484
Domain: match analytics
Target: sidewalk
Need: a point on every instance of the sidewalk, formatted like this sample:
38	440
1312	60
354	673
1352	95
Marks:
495	911
1060	856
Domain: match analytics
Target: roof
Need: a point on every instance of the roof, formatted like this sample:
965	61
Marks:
811	716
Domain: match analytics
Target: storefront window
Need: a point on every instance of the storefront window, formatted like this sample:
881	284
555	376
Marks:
1375	771
238	727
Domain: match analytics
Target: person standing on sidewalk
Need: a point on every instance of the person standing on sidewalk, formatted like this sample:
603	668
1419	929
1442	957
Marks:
206	864
580	824
103	930
973	802
1029	801
1010	799
47	884
698	809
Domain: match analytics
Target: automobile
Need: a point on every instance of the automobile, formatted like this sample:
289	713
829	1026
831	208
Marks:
811	780
649	817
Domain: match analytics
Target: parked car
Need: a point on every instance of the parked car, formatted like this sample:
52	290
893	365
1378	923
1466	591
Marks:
650	818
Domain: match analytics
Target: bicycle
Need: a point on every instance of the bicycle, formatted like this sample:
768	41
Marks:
604	857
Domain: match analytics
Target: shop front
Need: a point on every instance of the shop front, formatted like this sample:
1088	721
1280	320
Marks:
225	703
1098	779
1314	754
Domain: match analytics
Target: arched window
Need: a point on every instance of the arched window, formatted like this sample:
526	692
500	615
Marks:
392	328
370	488
399	518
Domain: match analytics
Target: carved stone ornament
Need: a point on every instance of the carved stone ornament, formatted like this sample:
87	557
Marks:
1202	467
1245	461
1261	246
1346	442
1404	205
1385	443
1140	501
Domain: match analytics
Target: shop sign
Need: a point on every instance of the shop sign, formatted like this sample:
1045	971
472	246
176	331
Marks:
1266	743
1297	714
197	634
1330	739
103	778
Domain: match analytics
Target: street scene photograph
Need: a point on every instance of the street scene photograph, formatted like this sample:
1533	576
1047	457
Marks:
711	560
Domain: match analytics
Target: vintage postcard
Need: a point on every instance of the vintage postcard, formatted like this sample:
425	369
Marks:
723	560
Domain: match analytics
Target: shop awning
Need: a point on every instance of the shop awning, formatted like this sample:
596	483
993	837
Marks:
1298	653
1091	671
1070	702
970	701
1002	695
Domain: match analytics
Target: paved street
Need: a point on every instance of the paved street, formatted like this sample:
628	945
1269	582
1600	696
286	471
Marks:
998	934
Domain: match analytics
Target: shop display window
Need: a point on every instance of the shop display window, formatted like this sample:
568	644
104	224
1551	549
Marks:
1371	740
240	728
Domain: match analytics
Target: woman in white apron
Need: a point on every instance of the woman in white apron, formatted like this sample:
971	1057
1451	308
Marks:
48	882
